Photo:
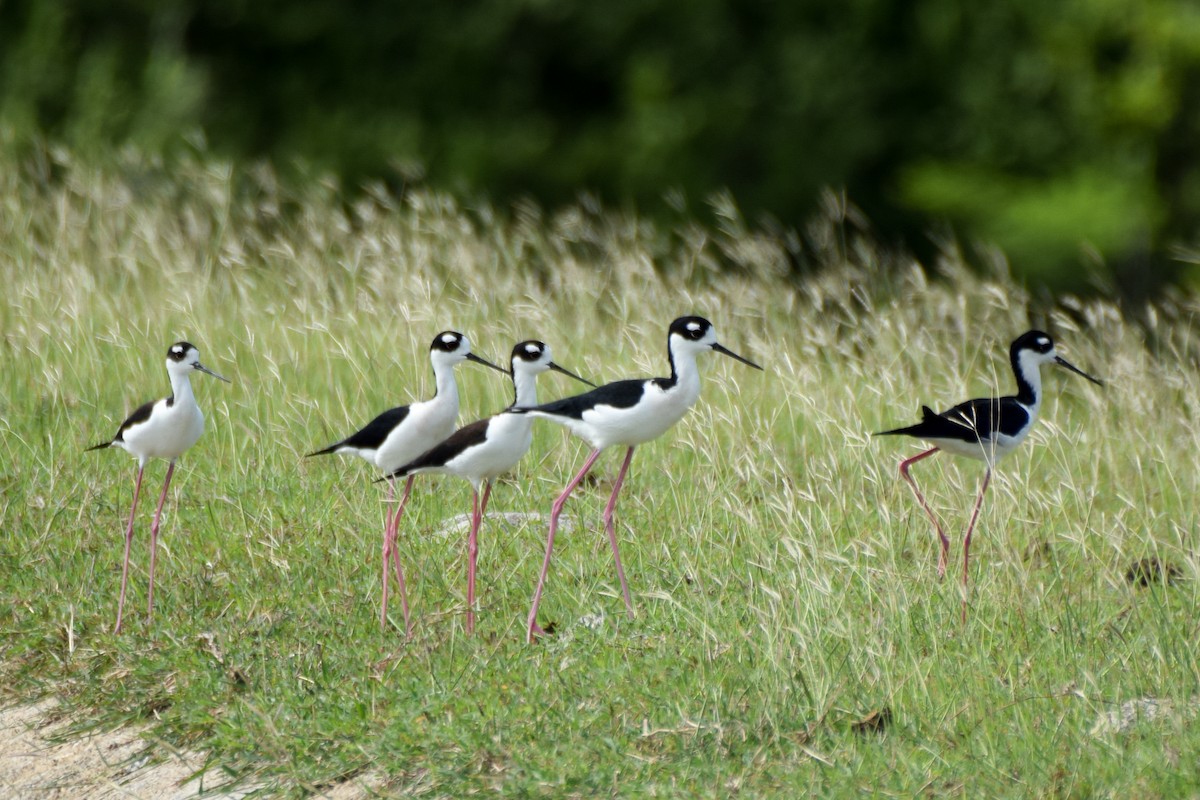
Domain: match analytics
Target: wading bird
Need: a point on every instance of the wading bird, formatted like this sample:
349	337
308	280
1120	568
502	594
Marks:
627	413
399	435
985	429
484	450
160	429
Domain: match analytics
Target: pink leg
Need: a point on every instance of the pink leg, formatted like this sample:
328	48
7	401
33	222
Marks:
390	547
477	512
532	628
137	490
904	465
387	550
612	534
154	540
987	477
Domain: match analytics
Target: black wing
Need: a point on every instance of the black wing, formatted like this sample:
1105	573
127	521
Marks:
448	449
988	416
139	415
618	394
971	421
370	437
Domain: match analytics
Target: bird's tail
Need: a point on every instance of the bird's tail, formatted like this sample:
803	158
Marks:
910	430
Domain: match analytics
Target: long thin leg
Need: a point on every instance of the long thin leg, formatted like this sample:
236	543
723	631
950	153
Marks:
904	465
532	627
387	549
987	477
479	508
154	539
137	490
390	546
612	534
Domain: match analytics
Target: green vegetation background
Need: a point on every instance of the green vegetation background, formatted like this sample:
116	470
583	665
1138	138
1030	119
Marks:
784	576
1064	132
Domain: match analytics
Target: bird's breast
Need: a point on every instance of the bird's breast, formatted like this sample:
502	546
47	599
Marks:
654	414
426	425
168	433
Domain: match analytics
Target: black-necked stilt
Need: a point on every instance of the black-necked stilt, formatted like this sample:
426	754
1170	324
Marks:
485	450
399	435
160	429
627	413
986	429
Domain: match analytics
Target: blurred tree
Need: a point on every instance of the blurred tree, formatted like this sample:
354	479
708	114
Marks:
1063	132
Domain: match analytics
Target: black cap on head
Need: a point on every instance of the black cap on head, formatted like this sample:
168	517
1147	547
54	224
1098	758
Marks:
1038	341
693	328
447	341
179	350
529	350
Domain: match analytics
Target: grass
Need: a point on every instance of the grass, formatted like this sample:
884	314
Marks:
784	577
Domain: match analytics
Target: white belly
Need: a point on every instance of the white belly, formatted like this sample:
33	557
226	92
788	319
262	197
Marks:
988	450
427	424
508	440
169	432
605	426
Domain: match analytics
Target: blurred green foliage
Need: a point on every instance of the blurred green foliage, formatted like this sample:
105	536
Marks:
1065	132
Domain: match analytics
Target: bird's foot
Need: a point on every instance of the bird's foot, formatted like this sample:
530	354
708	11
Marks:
537	632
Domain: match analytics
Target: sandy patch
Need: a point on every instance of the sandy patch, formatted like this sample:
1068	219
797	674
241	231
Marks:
107	765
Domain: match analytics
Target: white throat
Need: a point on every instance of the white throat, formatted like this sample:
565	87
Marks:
181	384
447	388
525	385
687	374
1029	381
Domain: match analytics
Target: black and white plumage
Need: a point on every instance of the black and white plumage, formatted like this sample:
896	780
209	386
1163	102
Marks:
400	434
627	413
985	429
989	428
160	429
486	449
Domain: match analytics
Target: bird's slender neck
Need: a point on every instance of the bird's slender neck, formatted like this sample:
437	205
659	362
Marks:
671	359
524	388
685	373
447	388
1028	373
181	387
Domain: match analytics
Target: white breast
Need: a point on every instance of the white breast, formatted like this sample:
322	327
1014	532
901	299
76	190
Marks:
508	439
655	413
168	432
427	424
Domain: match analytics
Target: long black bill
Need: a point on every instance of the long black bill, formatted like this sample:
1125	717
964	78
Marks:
568	372
1062	362
485	362
208	371
727	352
